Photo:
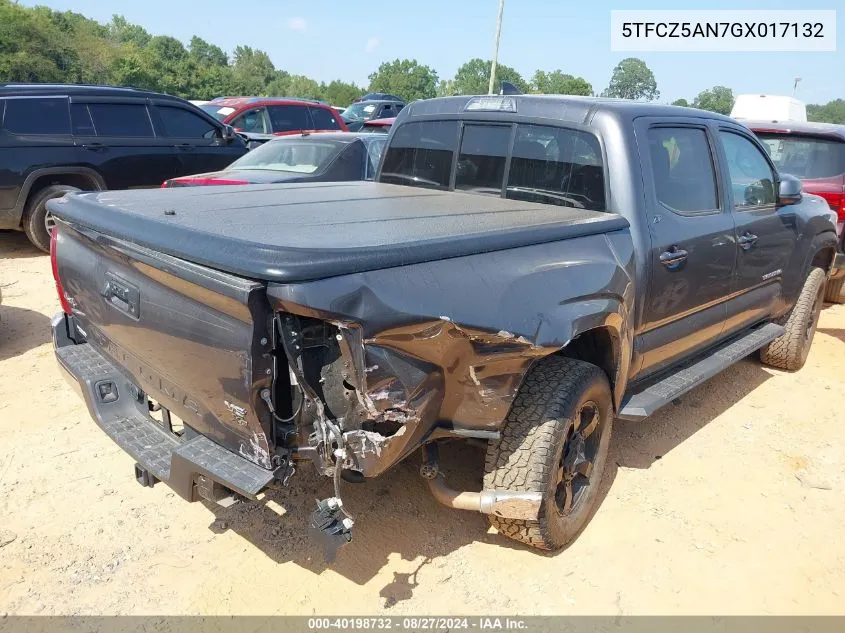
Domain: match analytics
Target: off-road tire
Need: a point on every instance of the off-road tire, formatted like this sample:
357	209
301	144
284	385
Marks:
35	214
833	294
790	350
527	456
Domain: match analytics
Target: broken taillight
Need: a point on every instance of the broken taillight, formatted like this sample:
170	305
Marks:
55	266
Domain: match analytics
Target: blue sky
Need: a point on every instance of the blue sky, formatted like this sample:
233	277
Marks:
348	40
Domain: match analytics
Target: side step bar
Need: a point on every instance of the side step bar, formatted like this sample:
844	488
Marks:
643	403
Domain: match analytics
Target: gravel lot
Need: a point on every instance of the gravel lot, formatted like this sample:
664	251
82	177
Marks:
729	502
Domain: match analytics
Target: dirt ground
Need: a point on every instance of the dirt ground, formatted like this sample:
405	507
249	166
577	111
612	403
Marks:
729	502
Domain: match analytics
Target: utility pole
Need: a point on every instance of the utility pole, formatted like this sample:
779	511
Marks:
496	47
795	85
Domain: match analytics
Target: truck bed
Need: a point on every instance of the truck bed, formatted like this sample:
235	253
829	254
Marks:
300	232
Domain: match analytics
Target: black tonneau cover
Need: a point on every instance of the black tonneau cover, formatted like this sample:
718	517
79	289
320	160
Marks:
299	232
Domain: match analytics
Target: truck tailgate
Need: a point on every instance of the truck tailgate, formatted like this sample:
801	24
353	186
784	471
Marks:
188	337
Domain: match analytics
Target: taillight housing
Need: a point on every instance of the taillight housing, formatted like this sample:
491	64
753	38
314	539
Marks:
55	266
836	202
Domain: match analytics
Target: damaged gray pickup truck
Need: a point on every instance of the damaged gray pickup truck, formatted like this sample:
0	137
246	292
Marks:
525	270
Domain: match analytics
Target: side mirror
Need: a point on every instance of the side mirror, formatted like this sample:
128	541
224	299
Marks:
228	133
789	191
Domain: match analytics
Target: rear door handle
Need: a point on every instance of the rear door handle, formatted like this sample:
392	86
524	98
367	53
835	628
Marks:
674	258
184	147
747	240
95	147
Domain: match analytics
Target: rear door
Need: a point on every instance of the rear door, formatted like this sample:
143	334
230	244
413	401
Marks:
117	135
692	240
34	132
323	119
289	118
195	139
766	235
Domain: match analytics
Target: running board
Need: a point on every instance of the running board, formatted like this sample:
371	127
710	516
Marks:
643	403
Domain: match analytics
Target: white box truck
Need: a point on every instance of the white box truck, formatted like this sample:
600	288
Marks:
769	108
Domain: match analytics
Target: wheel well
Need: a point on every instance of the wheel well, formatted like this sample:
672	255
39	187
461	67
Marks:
80	181
598	346
824	258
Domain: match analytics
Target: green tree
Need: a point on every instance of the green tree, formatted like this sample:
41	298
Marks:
446	88
717	99
252	71
405	78
278	86
473	78
681	102
302	86
33	47
340	93
558	82
206	53
831	112
121	31
131	69
632	79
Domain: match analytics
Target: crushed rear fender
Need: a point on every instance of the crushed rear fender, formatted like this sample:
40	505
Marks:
441	348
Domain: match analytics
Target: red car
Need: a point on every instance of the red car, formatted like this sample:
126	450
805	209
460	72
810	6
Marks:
264	117
815	153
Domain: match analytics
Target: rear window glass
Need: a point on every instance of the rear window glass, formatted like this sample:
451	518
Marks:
323	119
805	157
481	162
179	122
421	154
304	156
289	118
556	166
37	116
81	118
121	119
682	169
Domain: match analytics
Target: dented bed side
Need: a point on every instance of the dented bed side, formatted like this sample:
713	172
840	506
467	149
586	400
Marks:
440	348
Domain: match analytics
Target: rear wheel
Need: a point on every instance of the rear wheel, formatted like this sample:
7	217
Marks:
555	442
37	220
790	350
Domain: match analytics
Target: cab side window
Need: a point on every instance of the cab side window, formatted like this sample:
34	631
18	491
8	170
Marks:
253	121
324	119
289	118
179	122
752	178
682	169
37	116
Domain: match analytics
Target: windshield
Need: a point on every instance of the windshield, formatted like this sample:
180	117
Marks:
805	157
217	111
359	111
304	156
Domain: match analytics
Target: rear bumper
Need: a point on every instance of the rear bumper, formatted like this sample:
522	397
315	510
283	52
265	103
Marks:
193	465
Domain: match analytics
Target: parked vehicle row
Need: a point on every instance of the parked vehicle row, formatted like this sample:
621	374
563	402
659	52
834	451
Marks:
359	113
64	138
261	118
815	153
523	270
337	157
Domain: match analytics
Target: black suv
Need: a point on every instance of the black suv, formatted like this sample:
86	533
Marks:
60	138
